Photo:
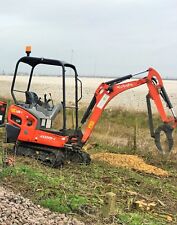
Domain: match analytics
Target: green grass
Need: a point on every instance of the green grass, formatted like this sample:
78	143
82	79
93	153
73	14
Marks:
80	190
139	218
64	204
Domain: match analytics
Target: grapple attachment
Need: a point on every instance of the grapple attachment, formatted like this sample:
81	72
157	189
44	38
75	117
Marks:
163	138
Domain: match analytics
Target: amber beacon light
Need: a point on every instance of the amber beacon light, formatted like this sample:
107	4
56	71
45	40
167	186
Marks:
28	50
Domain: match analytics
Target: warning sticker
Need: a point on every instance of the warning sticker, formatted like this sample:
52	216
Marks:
91	124
103	101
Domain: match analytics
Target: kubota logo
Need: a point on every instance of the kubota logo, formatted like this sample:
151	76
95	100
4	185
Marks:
124	86
47	137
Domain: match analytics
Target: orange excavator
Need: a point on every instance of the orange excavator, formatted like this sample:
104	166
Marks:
29	122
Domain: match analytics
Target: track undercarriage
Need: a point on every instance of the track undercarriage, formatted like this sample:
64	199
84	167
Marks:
52	157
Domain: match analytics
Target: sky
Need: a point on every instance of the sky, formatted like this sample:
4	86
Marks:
100	37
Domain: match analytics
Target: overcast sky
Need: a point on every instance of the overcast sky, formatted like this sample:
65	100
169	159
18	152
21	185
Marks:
101	37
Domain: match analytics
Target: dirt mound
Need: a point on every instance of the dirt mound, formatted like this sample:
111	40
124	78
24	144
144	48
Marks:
129	161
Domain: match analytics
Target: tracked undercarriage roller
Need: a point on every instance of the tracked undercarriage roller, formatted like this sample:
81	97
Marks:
52	157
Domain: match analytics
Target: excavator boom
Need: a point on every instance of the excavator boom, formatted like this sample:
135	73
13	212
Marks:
108	90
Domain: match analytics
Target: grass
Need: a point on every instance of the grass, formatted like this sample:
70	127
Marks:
80	190
139	218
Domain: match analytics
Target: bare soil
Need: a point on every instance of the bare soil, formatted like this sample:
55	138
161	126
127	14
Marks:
129	161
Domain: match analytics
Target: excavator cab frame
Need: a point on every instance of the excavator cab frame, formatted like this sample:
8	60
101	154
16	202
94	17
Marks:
32	97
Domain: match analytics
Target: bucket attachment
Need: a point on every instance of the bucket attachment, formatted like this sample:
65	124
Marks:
3	106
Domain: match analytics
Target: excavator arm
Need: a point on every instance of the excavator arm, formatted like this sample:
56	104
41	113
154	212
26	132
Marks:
108	90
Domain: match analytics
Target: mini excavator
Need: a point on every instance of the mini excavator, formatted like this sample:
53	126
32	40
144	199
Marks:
29	122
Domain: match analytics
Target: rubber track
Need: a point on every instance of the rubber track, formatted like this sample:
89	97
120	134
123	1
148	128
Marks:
52	157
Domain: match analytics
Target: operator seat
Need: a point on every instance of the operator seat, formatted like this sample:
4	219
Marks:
39	109
31	97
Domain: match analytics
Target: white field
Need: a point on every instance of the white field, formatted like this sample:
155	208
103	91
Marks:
134	99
